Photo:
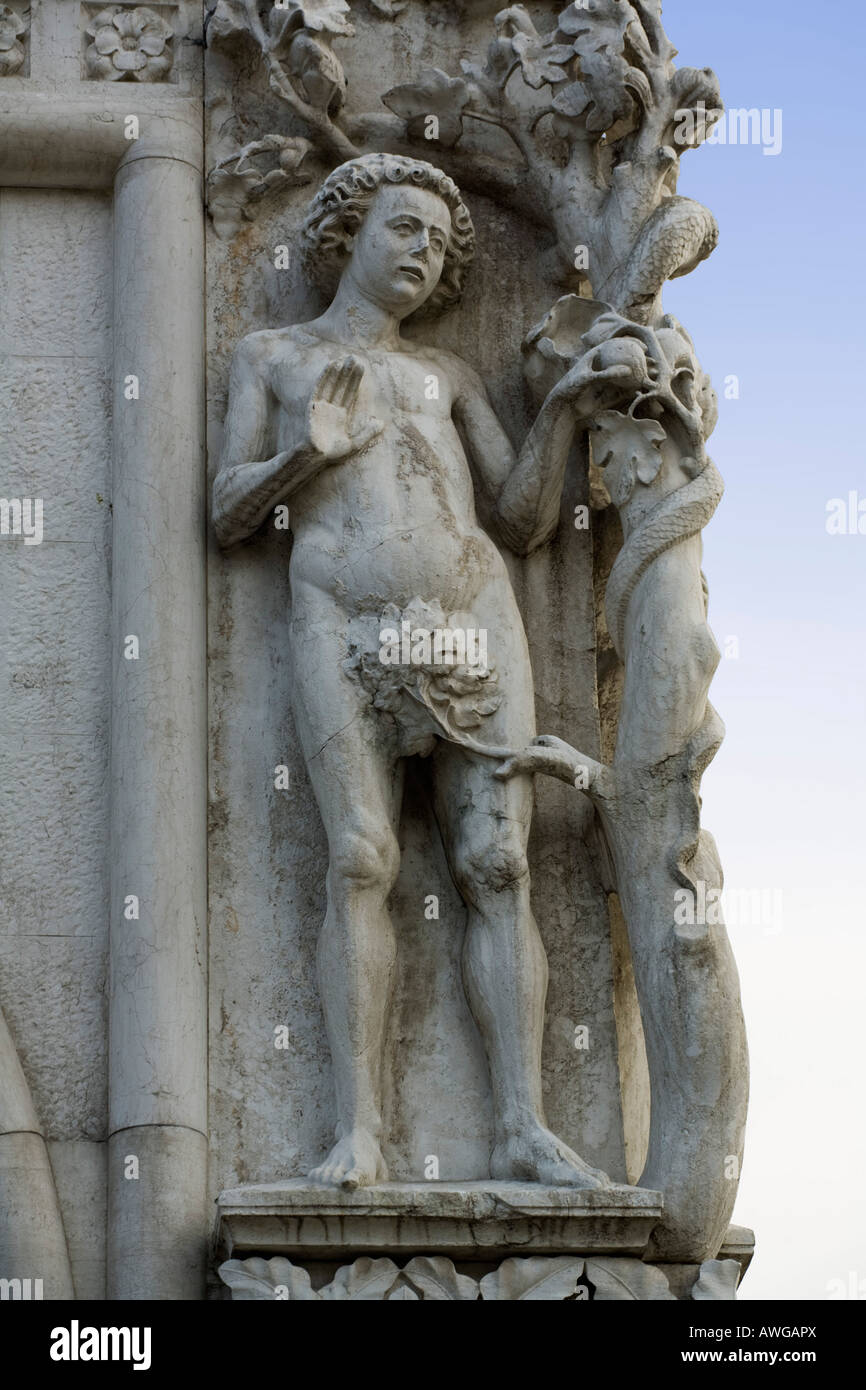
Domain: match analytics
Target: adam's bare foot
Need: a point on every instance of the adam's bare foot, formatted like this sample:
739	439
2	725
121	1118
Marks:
536	1155
354	1161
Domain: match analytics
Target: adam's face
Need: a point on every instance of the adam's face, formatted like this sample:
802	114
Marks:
398	253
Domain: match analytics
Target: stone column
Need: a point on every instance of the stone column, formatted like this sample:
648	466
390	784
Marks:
32	1240
158	1055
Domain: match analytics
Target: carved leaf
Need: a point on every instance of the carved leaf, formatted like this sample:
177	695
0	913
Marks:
434	94
235	183
229	194
514	19
629	39
389	8
436	1278
500	62
606	78
570	105
538	1278
293	150
540	64
563	327
633	444
365	1280
717	1281
261	1279
519	40
330	16
621	1279
599	39
604	25
317	72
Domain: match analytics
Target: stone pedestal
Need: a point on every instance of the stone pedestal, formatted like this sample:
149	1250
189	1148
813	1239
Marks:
456	1241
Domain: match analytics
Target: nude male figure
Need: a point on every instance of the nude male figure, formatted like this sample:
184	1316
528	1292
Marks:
333	417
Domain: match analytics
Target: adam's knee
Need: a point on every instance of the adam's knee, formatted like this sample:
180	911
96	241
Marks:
365	856
491	868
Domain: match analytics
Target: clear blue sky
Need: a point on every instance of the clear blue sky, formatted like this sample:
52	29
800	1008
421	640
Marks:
781	306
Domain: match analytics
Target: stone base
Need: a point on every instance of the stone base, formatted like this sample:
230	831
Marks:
457	1241
463	1220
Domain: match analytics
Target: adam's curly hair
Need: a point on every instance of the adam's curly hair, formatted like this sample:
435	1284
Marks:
341	204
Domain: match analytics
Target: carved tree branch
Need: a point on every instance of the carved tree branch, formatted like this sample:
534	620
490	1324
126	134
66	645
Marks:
330	138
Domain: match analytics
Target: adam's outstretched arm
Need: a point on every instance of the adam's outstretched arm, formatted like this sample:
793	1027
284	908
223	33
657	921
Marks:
527	490
244	490
529	502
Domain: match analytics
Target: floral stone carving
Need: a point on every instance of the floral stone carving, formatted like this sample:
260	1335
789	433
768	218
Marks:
12	27
129	43
534	1279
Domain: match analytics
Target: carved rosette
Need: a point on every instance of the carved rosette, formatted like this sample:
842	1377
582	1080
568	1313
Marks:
565	1279
129	43
14	28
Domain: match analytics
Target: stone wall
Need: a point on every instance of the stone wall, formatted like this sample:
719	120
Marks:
55	393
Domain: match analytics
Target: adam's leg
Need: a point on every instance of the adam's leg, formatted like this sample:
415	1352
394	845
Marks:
485	826
358	786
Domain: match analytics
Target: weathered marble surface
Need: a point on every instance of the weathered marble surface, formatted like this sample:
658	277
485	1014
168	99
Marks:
56	306
267	847
84	276
619	231
125	541
323	1244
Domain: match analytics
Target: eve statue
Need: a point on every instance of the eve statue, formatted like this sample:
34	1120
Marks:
377	444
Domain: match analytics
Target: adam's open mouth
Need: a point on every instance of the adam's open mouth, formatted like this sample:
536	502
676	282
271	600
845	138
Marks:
415	271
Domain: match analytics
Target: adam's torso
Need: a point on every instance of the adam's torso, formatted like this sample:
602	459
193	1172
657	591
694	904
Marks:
396	520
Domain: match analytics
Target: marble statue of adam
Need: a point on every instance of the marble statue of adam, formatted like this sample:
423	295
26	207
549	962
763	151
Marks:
336	417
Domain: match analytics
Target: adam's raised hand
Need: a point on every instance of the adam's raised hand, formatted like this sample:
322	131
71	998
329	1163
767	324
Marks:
333	429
